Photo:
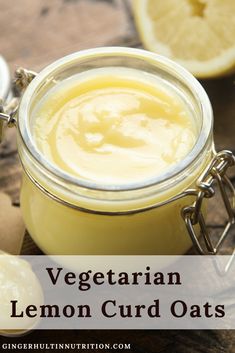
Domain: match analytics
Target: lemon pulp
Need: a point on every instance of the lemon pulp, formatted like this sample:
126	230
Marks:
199	34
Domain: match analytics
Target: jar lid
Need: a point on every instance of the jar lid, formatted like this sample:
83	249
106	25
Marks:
5	79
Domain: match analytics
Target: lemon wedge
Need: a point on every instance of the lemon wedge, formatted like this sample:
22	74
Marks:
198	34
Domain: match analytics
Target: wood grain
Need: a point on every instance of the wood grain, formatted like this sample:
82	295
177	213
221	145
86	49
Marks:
35	33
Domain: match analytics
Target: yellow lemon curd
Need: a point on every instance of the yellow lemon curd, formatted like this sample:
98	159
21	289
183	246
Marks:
114	127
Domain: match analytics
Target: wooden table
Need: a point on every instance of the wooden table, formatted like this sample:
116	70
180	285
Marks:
34	33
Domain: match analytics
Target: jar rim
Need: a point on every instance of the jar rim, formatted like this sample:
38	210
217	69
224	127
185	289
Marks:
165	63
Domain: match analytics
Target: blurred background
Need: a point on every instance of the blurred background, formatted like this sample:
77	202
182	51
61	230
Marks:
36	32
33	33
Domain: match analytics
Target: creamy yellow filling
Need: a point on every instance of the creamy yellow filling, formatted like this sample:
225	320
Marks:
113	126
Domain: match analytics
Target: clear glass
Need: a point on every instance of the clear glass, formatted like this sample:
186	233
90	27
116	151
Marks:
66	215
5	87
5	81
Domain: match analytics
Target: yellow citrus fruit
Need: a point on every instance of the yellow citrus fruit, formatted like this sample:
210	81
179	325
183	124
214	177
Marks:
198	34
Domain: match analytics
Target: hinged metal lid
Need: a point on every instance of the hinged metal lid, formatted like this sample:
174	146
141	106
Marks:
5	79
5	87
8	104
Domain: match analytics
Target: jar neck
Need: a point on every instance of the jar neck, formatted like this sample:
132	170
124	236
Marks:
120	202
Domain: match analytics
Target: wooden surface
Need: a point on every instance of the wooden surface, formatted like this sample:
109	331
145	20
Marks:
34	33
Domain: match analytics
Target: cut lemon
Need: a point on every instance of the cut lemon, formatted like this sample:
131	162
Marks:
198	34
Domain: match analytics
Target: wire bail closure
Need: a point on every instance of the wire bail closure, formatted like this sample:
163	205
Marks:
193	215
8	111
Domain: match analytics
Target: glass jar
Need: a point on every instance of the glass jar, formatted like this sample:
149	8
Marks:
5	86
5	82
66	215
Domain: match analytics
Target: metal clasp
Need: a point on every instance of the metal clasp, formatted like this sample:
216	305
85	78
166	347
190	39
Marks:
9	110
193	215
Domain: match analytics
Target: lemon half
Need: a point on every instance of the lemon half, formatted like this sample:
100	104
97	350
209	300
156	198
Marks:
198	34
